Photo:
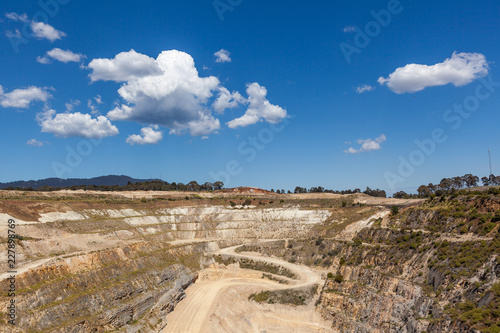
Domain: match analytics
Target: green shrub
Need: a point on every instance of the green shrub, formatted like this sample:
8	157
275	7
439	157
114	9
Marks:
332	253
260	297
488	227
496	217
492	329
357	241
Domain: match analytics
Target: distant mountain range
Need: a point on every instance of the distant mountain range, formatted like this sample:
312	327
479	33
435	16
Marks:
58	182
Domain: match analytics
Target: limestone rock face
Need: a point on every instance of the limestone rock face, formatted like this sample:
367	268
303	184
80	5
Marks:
105	265
94	267
110	293
369	301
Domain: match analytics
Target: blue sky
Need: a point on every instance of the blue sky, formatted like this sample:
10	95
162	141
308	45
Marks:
269	94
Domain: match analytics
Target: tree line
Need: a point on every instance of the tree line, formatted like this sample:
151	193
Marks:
446	185
451	184
320	189
154	185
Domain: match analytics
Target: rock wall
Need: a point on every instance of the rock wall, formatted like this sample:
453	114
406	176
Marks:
123	268
107	289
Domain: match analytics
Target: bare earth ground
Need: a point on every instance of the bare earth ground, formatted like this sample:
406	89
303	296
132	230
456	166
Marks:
362	198
218	302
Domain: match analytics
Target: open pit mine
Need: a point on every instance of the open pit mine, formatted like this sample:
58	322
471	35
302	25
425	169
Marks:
230	261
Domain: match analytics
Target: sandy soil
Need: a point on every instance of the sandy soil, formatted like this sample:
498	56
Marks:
218	302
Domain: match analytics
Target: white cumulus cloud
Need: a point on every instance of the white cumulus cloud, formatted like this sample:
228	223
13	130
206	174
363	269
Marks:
75	125
259	108
222	56
123	67
22	98
227	100
173	95
46	31
367	145
149	135
168	91
460	69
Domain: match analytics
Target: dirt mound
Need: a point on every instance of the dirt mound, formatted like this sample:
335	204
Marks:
245	190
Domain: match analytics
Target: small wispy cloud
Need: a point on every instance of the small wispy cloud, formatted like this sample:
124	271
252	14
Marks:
70	106
222	56
40	30
35	143
43	60
364	88
93	109
367	145
17	18
349	29
60	55
98	99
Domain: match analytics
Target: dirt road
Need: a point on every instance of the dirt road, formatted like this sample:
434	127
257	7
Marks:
222	305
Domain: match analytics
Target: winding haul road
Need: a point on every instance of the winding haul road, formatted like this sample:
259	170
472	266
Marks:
197	310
